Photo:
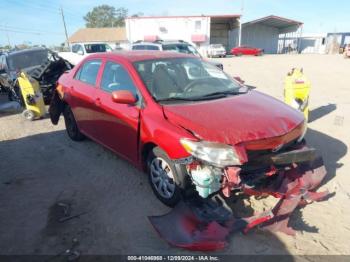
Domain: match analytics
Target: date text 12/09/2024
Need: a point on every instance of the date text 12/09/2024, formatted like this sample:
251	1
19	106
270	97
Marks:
173	258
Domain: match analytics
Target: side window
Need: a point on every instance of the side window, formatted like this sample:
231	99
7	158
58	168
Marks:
139	47
152	47
115	77
88	72
75	48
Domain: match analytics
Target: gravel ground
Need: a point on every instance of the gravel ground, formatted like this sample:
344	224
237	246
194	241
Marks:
40	167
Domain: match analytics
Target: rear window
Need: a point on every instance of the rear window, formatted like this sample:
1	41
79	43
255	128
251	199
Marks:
145	47
96	48
181	48
27	59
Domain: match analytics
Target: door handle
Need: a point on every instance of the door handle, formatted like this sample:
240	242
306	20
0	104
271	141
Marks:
98	102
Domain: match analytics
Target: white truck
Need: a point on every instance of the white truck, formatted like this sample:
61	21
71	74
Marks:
81	50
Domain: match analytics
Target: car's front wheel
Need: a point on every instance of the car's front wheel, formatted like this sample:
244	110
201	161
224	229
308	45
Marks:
71	125
167	180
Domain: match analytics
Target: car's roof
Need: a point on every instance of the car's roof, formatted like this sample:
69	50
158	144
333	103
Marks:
147	43
164	42
134	56
23	51
90	43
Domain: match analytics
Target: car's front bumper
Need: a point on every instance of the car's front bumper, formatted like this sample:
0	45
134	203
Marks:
199	224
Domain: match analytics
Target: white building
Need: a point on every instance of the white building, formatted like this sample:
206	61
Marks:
198	30
272	33
313	43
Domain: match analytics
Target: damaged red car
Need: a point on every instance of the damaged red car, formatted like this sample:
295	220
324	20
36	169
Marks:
188	124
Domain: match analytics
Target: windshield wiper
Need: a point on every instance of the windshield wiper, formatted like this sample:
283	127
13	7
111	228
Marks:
174	99
225	93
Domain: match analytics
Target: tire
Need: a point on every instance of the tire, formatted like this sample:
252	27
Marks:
239	54
71	125
168	180
28	114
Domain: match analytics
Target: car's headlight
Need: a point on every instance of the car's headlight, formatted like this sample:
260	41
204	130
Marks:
303	132
217	154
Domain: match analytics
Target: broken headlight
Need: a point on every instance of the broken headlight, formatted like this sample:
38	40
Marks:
216	154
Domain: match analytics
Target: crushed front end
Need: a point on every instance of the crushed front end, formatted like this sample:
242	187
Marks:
283	167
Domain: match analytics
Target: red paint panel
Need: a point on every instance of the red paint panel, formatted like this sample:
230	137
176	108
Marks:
198	38
249	117
150	38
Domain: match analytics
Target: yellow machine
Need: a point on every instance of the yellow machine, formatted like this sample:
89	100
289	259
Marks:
296	91
32	96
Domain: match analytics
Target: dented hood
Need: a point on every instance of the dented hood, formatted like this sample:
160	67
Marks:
235	119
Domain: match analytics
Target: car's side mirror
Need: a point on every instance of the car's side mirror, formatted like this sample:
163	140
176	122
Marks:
123	97
80	52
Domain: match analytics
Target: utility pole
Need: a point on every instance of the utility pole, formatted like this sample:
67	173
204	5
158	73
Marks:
7	34
8	38
65	28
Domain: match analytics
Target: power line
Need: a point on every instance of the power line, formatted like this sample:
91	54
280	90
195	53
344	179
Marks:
22	32
29	29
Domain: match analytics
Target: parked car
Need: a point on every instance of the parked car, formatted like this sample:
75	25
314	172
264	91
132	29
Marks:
175	46
246	50
179	118
80	50
40	63
217	50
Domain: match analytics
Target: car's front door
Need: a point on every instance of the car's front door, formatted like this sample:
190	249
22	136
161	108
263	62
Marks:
118	124
83	95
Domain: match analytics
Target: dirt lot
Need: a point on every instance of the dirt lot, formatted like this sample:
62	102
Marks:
40	166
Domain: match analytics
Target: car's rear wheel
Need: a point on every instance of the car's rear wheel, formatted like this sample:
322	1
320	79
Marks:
71	125
167	179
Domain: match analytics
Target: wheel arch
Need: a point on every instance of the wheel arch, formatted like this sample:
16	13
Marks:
145	150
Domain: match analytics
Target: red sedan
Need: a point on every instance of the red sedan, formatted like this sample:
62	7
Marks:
246	50
182	120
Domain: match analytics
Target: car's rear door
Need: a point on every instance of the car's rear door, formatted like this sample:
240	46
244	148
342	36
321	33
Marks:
118	124
82	91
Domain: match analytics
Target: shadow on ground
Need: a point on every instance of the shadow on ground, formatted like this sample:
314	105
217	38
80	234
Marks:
321	112
41	171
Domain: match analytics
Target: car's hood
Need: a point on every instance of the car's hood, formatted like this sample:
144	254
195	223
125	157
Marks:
235	119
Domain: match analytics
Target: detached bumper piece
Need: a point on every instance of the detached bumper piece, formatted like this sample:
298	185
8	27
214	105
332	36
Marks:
206	224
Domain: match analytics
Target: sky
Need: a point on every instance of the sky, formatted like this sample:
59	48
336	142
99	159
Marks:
40	22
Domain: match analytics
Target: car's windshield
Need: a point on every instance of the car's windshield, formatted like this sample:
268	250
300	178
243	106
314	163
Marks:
181	48
176	79
27	59
96	48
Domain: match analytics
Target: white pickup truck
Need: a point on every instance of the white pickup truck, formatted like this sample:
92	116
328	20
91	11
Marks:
81	50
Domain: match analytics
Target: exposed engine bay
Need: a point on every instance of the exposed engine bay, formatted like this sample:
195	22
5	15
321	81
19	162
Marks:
290	173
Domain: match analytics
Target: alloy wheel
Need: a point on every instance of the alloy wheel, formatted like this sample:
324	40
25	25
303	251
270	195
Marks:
162	177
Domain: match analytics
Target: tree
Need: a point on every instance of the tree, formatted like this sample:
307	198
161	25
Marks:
139	14
106	16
